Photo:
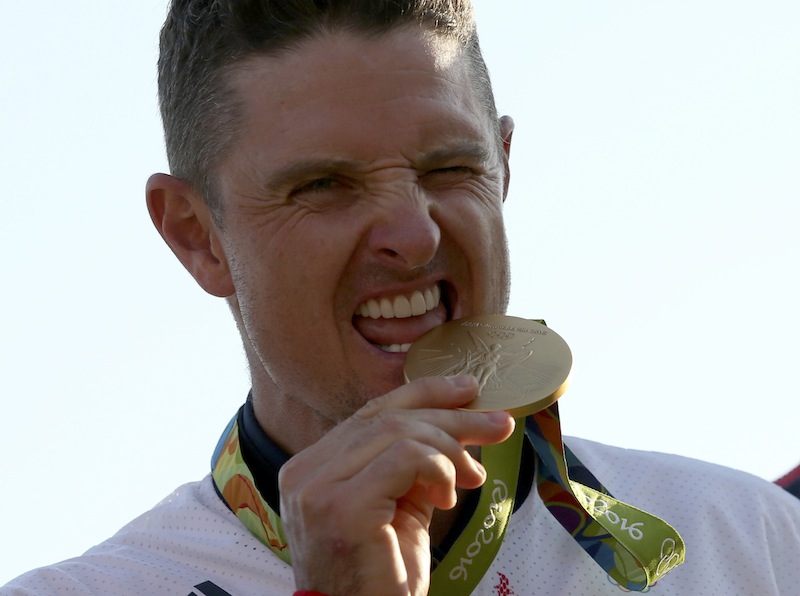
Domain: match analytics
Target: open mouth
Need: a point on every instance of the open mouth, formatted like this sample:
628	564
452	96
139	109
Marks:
393	323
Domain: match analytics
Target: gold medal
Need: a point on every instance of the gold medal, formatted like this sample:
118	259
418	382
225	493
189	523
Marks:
522	366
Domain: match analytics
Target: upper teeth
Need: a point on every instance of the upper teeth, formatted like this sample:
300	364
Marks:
401	307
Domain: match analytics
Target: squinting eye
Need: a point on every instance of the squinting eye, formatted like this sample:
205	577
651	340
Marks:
318	185
452	170
451	174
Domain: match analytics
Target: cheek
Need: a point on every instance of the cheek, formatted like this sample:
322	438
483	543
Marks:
479	232
478	225
304	273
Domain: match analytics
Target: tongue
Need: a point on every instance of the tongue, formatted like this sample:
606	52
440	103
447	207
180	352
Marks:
387	332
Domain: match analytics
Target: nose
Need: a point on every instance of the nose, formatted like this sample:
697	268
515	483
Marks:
405	236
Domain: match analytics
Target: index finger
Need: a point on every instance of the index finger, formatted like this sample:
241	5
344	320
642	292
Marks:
434	400
426	392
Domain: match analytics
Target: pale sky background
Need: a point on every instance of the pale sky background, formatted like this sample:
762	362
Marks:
652	218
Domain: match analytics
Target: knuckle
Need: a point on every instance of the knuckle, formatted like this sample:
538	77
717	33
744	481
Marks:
390	423
405	449
372	408
432	384
312	500
469	419
289	476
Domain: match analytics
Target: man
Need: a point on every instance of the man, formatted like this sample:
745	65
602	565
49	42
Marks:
338	176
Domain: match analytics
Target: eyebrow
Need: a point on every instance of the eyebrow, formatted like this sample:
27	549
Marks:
472	151
308	169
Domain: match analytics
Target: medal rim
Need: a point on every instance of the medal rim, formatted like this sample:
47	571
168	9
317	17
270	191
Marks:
519	407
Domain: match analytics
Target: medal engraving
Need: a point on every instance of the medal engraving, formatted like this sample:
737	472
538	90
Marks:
521	365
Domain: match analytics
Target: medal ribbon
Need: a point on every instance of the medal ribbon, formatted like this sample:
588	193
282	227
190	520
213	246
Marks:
633	547
236	486
472	553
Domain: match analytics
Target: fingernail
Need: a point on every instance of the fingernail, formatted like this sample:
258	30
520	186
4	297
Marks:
462	381
500	418
479	468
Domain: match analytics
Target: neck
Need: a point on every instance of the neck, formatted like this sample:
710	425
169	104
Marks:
279	417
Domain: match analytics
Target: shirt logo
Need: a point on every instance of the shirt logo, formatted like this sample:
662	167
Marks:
209	589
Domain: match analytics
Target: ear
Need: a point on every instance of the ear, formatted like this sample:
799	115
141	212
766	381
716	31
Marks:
506	132
184	221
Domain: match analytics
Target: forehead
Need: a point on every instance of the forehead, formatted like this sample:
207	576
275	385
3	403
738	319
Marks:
401	92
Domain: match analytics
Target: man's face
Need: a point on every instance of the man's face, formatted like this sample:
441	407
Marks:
367	182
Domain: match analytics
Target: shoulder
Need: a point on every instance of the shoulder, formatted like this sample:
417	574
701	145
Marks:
187	540
650	472
739	528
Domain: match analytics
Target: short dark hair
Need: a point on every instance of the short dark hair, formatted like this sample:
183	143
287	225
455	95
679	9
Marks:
202	40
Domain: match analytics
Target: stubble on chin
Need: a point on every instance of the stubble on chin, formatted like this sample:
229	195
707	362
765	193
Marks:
328	409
